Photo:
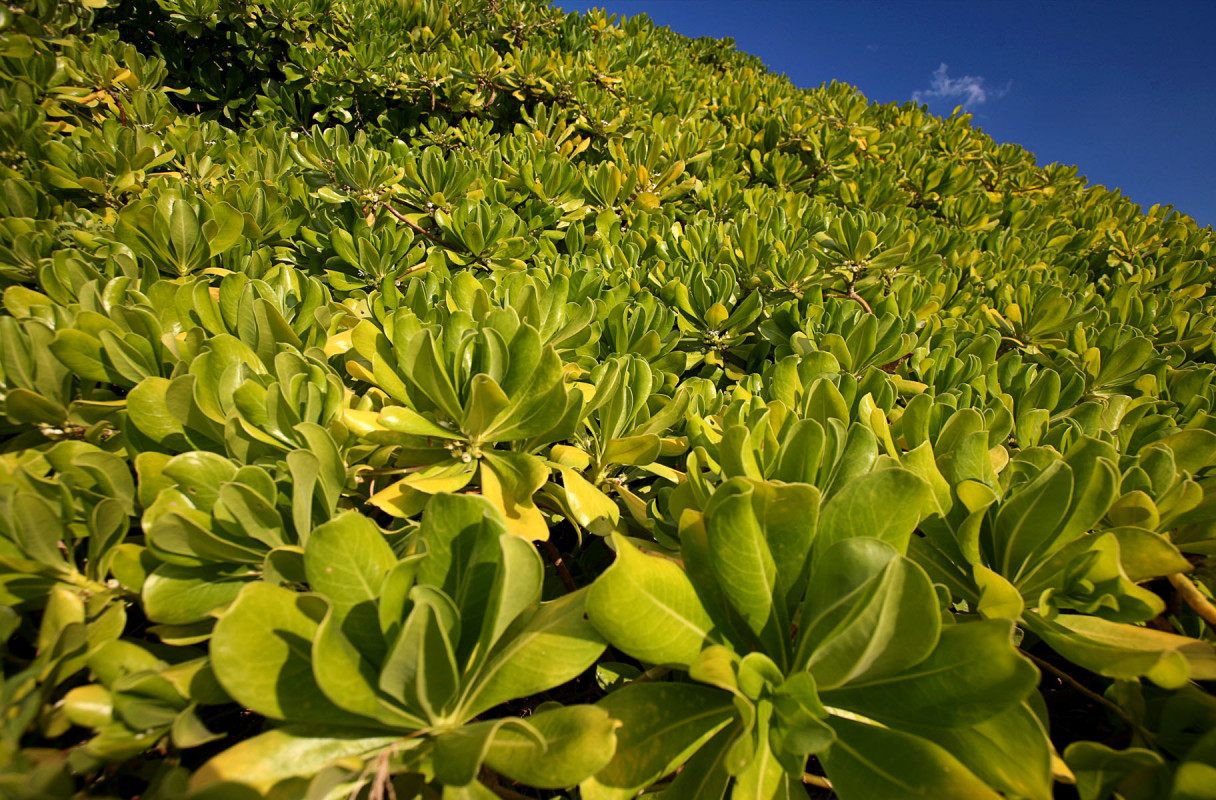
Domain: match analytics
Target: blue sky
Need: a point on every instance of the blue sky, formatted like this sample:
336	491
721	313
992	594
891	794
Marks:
1125	91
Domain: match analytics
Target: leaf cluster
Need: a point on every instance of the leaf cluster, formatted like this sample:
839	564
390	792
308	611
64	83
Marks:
467	399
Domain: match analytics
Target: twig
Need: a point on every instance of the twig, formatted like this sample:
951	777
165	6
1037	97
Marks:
402	218
122	111
1090	693
652	674
563	572
817	780
374	471
1194	598
382	780
413	269
853	295
490	779
509	794
659	787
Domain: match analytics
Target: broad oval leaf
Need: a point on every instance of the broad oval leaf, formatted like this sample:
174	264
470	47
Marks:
872	614
555	645
662	725
972	675
867	761
262	653
647	607
887	504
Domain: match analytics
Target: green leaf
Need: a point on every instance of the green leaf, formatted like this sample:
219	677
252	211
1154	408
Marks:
195	680
305	469
705	775
972	675
1010	752
872	614
575	743
586	503
344	245
1095	487
1119	650
662	724
632	450
406	420
282	753
148	410
743	565
486	402
1027	520
491	579
184	232
349	679
275	677
39	531
119	658
408	496
460	533
180	595
224	229
130	564
999	599
181	536
24	406
89	706
1100	770
1193	449
200	476
427	372
647	607
789	514
421	670
887	505
763	776
1146	555
189	731
555	645
867	761
460	752
242	512
798	725
346	560
82	354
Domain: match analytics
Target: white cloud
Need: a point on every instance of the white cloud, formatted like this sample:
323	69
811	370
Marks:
969	89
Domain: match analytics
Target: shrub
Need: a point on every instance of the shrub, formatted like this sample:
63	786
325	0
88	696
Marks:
465	398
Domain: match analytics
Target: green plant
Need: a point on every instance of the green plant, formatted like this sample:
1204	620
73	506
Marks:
351	353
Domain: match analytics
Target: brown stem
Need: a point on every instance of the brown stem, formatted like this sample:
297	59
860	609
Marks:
652	674
122	111
1194	598
418	228
382	782
559	563
490	779
509	794
852	294
1090	693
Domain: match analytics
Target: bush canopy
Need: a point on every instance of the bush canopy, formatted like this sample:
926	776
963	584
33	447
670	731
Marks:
461	400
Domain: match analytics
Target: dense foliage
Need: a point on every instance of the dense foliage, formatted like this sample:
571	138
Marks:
416	398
